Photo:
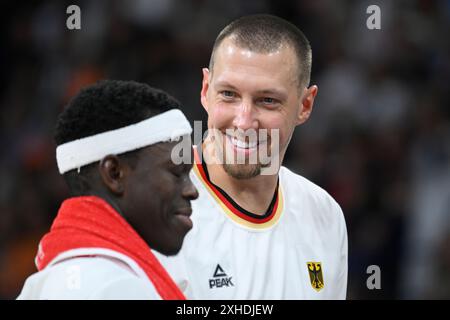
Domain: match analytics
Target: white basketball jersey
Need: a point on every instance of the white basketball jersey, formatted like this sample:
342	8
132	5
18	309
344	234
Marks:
298	250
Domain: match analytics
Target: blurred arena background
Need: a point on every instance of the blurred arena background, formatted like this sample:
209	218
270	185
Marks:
378	139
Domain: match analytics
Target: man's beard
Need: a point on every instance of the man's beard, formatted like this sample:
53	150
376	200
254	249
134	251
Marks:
242	171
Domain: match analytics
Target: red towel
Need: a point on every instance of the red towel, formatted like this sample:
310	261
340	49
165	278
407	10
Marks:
90	222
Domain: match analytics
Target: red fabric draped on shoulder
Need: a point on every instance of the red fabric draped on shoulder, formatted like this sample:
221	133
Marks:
90	222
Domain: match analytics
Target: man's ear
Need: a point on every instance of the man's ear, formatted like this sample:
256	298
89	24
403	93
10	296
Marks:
309	94
113	172
205	87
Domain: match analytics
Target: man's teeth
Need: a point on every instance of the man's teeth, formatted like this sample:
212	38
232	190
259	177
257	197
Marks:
241	144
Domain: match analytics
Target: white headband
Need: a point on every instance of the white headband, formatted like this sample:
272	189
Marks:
167	126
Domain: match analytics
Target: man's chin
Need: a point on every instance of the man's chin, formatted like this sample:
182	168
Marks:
242	171
169	250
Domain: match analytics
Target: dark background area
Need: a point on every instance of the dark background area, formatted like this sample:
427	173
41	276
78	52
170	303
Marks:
378	139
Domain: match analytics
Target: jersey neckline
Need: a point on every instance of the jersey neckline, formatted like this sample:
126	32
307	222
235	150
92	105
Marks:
234	210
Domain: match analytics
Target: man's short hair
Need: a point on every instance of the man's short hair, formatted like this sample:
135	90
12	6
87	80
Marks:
105	106
265	33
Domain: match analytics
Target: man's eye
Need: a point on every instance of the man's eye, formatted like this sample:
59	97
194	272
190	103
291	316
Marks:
177	172
181	171
228	94
269	100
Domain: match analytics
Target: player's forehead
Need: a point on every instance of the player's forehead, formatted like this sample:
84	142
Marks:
167	154
231	45
274	69
156	154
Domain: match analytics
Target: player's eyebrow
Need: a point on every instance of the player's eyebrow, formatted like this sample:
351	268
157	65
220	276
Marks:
280	94
225	84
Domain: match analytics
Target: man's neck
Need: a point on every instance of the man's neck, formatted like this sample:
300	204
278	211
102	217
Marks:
108	198
254	194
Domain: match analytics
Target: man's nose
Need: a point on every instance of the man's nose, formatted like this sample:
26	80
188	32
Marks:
245	118
189	190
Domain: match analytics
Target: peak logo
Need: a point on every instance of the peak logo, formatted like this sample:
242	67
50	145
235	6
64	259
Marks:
220	279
